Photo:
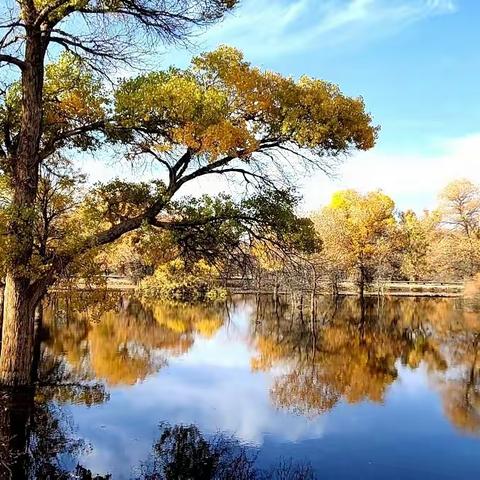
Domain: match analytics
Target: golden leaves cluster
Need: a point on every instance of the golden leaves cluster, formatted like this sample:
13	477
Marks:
223	106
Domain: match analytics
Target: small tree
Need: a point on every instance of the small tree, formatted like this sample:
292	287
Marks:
460	207
459	246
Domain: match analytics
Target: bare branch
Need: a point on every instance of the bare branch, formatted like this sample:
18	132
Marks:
13	61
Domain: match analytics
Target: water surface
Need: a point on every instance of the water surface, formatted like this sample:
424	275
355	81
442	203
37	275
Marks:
388	389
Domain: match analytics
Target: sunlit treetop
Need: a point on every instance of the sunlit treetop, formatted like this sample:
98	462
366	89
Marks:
222	106
364	215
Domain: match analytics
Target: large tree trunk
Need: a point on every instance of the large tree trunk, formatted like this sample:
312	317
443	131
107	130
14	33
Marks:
17	334
18	311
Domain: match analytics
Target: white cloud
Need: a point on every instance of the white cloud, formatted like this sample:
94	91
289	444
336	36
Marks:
263	28
413	180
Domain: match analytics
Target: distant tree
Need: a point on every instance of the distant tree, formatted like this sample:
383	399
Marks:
357	233
417	236
460	207
458	248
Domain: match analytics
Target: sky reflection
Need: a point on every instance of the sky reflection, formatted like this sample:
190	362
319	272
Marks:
390	413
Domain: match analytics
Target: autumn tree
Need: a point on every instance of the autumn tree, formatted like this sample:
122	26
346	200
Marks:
221	116
40	114
460	206
357	232
417	236
458	249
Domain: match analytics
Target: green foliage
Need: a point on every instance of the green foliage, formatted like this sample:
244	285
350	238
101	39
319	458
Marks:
275	211
111	203
72	98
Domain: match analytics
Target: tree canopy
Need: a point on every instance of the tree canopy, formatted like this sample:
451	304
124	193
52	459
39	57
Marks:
220	116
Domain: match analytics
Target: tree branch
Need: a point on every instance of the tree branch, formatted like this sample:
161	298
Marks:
13	61
50	147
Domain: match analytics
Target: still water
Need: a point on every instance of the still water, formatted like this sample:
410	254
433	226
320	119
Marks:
249	389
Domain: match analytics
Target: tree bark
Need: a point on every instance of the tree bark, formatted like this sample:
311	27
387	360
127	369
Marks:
17	334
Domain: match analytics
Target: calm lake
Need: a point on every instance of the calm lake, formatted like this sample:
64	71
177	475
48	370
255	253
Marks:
250	389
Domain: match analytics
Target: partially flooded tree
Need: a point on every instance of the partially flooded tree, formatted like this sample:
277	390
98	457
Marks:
221	117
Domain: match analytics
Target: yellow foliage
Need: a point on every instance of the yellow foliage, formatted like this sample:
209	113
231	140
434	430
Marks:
357	231
222	106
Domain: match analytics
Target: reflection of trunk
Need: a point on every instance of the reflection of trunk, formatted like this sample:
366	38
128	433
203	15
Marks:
275	289
17	337
2	288
470	385
15	418
313	309
361	281
37	342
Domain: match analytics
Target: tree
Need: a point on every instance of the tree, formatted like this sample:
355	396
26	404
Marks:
417	236
357	233
38	119
460	207
221	116
458	249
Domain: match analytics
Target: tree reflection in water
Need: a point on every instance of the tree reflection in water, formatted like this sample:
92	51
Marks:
37	441
127	341
349	351
183	453
36	434
108	338
345	352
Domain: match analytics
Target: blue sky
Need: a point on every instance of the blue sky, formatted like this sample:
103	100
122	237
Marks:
415	62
